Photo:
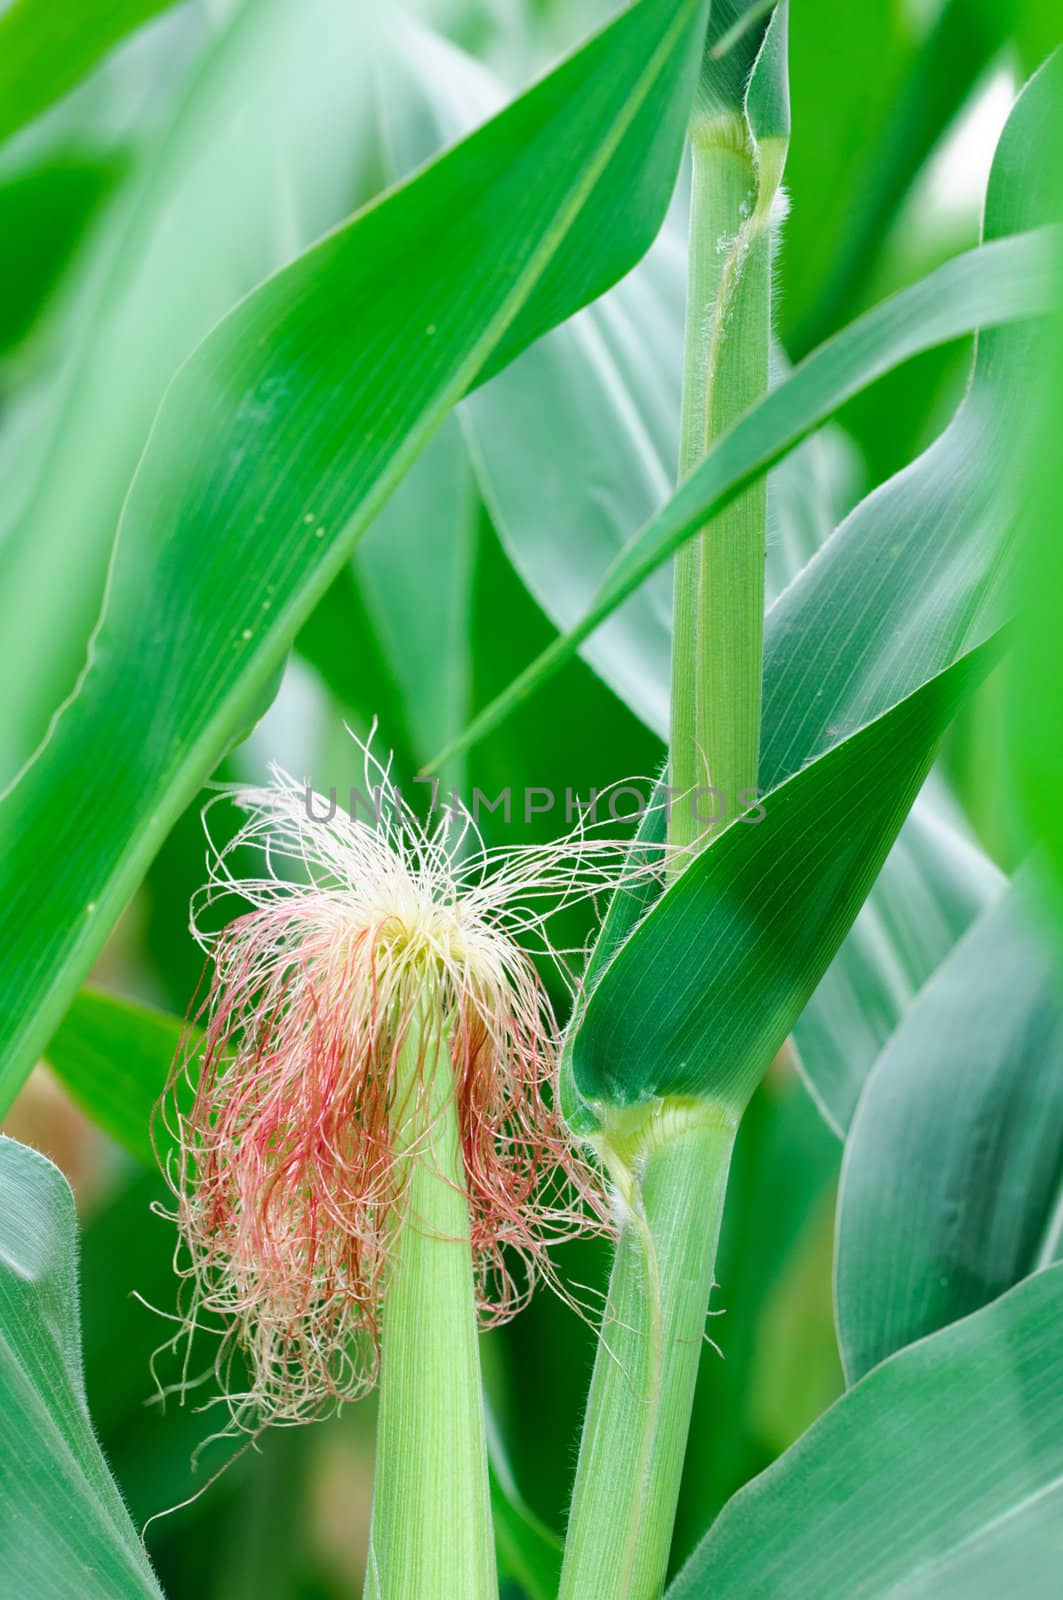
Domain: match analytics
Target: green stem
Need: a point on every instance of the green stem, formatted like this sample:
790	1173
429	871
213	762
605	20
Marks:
670	1169
669	1162
718	625
431	1528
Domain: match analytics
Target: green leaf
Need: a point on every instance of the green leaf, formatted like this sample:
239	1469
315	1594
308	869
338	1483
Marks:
915	573
933	886
258	99
48	46
733	43
732	61
700	997
1010	279
114	1057
47	206
283	436
938	1477
767	94
1037	683
893	94
966	1104
63	1527
598	400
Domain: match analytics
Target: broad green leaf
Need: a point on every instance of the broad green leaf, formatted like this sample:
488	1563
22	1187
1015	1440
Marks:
914	574
700	997
282	437
114	1058
1007	280
767	90
581	431
952	1187
247	134
64	1530
934	885
47	46
939	1475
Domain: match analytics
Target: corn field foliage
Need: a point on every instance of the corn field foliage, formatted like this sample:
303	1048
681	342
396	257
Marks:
531	837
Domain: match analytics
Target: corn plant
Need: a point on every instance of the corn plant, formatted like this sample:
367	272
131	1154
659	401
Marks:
531	846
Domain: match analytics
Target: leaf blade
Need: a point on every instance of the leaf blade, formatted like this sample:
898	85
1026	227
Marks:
276	384
46	49
954	1438
63	1527
978	1138
734	947
1007	280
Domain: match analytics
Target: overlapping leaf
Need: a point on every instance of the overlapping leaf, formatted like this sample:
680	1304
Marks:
597	456
933	887
249	134
282	437
63	1528
575	444
917	567
47	46
1037	685
701	996
952	1187
940	1476
900	593
1008	280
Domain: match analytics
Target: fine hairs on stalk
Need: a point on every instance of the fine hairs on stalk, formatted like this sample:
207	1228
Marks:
284	1170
